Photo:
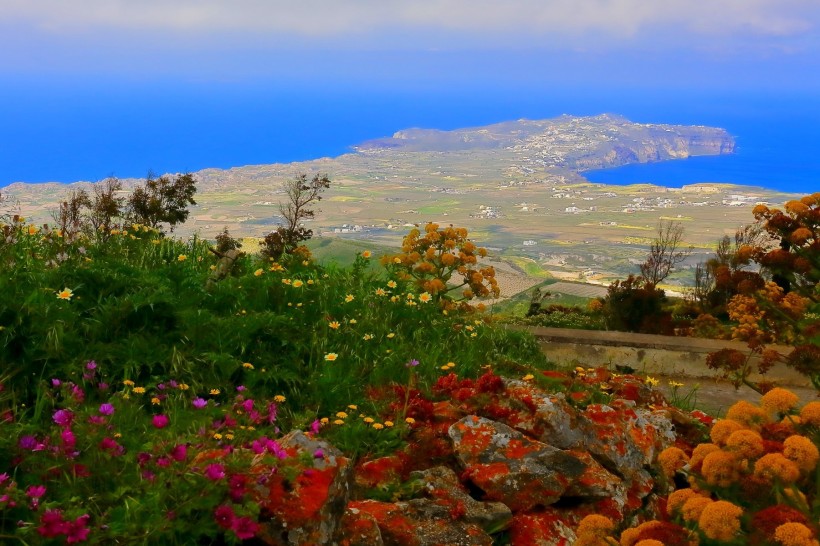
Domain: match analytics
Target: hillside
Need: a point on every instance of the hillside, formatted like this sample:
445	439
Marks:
517	186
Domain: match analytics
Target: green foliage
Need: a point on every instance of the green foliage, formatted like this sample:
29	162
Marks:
632	305
162	200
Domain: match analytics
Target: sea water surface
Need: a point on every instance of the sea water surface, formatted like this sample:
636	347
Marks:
64	132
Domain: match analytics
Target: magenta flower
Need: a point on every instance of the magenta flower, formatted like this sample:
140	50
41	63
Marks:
224	516
319	454
28	442
412	363
315	426
63	417
77	530
56	382
274	447
69	440
91	365
247	405
199	403
245	528
179	453
215	471
52	524
160	421
106	409
36	491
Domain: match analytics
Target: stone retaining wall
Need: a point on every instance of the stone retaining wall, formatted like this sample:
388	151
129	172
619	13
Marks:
650	354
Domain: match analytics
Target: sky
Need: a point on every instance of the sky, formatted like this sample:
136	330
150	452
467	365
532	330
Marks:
424	44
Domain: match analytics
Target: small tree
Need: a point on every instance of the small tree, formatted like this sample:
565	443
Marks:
302	194
664	254
162	200
69	217
225	242
105	207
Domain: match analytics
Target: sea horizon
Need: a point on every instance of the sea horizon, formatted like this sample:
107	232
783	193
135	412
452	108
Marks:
74	134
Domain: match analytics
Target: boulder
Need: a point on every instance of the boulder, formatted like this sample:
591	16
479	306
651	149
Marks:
301	503
511	468
441	485
421	522
547	528
358	528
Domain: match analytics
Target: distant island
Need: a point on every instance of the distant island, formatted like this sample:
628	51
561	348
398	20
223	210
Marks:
518	186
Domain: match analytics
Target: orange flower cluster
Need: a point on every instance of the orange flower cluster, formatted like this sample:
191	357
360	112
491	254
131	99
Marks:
753	485
442	260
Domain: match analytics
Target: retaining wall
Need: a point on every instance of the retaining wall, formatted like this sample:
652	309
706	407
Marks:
650	354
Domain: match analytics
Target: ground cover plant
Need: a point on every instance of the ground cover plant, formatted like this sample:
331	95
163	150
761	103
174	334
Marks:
134	399
142	404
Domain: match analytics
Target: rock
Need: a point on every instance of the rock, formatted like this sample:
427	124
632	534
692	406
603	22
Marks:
421	522
511	468
303	502
626	439
546	528
441	485
548	417
358	528
596	482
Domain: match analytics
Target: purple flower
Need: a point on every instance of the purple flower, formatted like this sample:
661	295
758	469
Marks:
412	363
28	442
160	421
314	426
319	454
96	420
91	365
199	403
247	405
3	477
161	386
215	471
63	417
173	384
103	386
271	412
106	409
240	388
56	382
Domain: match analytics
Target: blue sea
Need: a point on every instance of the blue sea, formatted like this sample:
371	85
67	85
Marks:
55	131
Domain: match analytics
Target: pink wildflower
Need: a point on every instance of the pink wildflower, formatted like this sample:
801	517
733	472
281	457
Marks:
161	421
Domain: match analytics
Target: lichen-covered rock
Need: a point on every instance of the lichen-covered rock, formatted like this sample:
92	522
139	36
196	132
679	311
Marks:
624	438
441	485
377	477
596	482
547	528
302	503
511	468
548	417
421	522
358	528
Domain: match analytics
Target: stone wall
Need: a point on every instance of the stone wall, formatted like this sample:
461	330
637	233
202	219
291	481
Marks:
650	354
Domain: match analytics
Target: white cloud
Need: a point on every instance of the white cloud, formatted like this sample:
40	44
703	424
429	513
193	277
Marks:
544	20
